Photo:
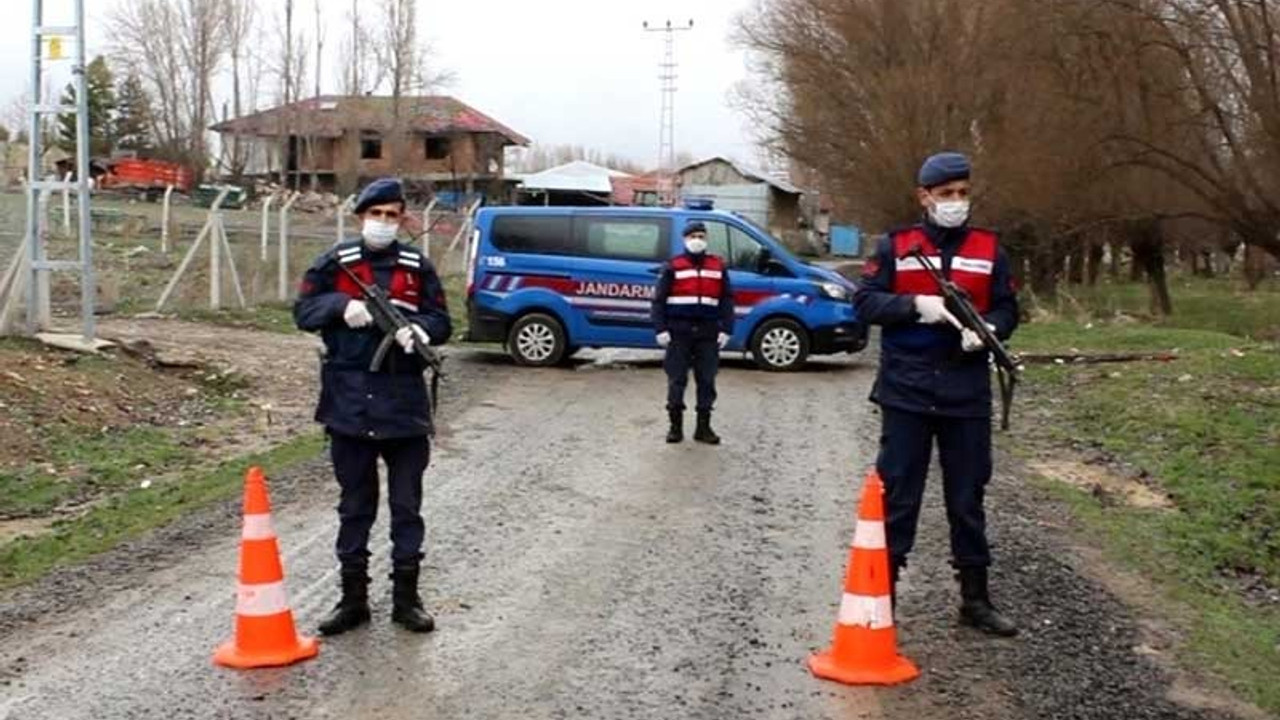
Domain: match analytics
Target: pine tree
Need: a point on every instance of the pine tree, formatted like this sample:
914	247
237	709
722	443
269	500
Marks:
133	116
102	101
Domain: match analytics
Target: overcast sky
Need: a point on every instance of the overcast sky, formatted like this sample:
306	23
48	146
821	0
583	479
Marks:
559	71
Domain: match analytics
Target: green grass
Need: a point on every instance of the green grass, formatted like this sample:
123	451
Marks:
83	467
1206	428
1226	636
455	290
137	511
271	317
1207	425
1223	305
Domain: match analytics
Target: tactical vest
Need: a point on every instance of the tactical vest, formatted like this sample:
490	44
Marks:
696	289
405	291
971	268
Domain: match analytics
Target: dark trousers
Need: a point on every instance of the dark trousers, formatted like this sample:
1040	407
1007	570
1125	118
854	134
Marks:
355	462
700	354
964	448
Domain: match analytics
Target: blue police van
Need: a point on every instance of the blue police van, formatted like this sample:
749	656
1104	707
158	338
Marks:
548	281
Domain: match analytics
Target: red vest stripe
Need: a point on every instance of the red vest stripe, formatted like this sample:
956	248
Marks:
971	268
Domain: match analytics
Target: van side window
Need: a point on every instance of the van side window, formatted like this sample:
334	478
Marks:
541	235
622	238
739	250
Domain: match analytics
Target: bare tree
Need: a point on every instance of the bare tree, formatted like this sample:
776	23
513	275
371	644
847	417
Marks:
143	38
203	44
361	70
291	76
240	20
1093	121
404	55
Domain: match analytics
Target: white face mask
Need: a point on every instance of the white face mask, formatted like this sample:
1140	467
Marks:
697	246
378	234
949	214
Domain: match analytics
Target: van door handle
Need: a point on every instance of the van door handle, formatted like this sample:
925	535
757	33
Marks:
655	270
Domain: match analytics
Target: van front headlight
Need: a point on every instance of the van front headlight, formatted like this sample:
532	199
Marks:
835	291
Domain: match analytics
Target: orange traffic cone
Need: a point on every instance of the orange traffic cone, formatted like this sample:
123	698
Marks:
265	634
865	649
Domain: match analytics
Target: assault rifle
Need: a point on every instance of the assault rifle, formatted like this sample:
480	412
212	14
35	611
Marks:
389	319
1007	365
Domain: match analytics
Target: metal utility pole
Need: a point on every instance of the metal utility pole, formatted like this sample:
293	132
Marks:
39	266
667	122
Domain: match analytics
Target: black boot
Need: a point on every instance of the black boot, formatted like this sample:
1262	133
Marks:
406	604
676	433
976	610
895	571
704	433
352	610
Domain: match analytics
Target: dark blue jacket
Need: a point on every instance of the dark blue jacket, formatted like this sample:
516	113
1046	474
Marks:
922	368
700	321
390	403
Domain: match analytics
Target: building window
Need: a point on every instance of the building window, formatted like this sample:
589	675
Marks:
437	148
370	145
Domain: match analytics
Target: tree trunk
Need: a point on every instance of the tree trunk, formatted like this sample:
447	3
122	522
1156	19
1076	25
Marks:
1046	264
1136	268
1113	268
1147	242
1075	264
1206	261
1096	253
1255	266
237	163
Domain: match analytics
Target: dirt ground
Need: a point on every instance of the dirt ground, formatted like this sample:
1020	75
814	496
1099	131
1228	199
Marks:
580	568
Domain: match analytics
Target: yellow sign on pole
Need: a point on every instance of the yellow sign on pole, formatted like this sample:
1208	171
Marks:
55	48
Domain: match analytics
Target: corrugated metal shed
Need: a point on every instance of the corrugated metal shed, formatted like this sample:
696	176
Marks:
745	172
749	200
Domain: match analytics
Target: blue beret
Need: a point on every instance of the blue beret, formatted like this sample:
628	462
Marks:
695	227
380	192
943	168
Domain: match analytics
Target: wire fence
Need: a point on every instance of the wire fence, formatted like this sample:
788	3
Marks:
132	270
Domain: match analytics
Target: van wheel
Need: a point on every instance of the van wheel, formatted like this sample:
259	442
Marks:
780	345
537	340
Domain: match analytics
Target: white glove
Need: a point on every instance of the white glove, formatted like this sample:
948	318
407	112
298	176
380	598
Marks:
357	315
933	310
971	342
722	339
404	336
664	339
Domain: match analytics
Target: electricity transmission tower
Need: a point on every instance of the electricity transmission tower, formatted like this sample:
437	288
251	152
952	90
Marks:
667	122
38	266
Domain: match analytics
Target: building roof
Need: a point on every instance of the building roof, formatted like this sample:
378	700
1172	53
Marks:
332	115
578	175
748	172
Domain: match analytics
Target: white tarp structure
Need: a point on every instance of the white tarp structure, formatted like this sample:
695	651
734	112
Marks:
577	176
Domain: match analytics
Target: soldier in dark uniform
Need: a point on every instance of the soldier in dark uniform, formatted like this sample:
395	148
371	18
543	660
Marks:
934	380
383	413
693	318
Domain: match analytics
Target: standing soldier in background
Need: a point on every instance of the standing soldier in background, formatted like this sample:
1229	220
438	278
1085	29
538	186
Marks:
693	318
934	379
375	413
